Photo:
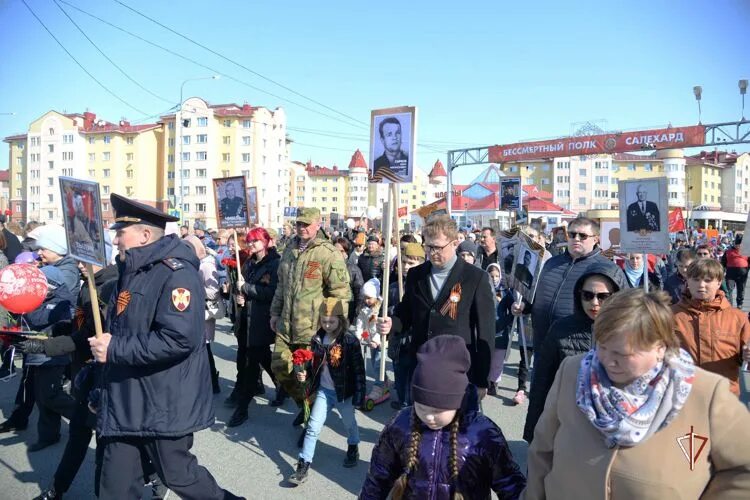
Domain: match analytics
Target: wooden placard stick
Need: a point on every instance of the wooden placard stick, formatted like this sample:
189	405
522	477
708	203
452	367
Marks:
94	297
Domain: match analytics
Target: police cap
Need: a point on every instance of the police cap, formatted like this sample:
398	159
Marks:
129	212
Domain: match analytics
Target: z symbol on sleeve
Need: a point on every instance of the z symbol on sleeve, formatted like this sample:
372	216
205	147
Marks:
181	298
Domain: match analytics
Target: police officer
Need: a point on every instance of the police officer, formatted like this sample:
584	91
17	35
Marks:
156	385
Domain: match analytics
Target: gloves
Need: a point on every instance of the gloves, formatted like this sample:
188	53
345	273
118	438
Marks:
32	346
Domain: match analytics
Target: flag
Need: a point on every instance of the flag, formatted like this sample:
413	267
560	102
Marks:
676	221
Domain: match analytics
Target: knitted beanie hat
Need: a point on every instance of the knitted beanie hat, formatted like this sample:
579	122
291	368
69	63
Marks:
371	288
440	378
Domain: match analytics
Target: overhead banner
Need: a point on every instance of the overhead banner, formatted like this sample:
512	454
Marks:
617	142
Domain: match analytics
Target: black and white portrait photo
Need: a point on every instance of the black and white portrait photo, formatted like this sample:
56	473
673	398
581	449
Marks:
252	205
83	220
643	216
231	202
392	141
643	213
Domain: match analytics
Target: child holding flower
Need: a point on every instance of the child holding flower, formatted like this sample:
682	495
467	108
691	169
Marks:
337	377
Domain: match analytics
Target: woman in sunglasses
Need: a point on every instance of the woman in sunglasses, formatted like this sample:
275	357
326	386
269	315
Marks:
636	418
568	336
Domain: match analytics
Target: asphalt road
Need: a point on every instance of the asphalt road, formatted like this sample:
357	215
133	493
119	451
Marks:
254	459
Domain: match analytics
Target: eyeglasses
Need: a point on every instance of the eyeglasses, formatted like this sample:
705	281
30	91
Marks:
589	296
572	235
436	249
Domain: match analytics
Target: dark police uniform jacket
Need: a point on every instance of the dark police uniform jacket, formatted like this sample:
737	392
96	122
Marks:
475	320
156	381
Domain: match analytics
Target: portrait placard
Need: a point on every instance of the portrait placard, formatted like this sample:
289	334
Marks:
82	217
252	205
230	196
643	215
393	133
510	193
527	265
745	247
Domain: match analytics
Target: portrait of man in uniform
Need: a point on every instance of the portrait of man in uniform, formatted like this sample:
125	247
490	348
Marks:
391	143
643	215
510	194
231	202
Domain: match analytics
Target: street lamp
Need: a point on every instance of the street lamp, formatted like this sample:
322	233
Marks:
178	121
698	92
743	90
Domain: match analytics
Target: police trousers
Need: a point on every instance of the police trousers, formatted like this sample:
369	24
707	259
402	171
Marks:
178	469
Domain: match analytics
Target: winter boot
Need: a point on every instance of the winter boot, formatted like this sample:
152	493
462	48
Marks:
280	397
300	475
352	456
239	416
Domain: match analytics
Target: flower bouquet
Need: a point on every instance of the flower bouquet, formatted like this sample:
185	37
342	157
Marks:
231	266
301	359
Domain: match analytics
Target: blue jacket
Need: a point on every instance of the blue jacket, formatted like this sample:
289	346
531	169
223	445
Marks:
57	307
156	381
554	291
484	458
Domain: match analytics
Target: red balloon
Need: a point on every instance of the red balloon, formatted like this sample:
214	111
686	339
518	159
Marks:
22	288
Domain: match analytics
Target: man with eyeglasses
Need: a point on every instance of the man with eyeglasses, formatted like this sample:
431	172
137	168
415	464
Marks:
447	296
554	298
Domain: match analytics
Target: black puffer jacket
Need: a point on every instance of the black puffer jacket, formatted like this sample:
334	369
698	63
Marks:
553	299
345	364
261	280
356	282
568	336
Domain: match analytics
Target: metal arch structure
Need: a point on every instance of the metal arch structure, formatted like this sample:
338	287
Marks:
717	134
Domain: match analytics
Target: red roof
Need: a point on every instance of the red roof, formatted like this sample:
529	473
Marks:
233	110
123	127
318	171
438	170
19	137
357	161
716	158
533	190
4	175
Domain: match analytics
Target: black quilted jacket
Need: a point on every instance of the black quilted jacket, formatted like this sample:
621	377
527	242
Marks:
345	363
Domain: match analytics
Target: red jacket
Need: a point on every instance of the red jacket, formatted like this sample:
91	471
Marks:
734	259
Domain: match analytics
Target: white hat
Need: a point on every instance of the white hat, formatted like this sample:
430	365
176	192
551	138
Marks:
51	237
371	288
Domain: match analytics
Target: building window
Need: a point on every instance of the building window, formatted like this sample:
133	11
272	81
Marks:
186	156
582	201
170	175
201	138
202	121
201	190
129	191
582	186
245	157
105	156
200	207
245	140
129	140
105	172
186	173
51	164
225	157
582	172
50	213
201	172
51	148
107	139
68	172
648	167
171	142
186	123
246	123
186	207
185	140
105	189
170	158
67	138
105	206
227	123
170	191
226	139
631	167
92	157
92	172
170	125
129	173
185	190
201	155
51	131
129	157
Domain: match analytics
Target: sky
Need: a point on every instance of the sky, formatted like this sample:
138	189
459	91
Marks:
480	73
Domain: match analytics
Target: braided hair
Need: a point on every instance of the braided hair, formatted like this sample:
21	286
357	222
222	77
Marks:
412	457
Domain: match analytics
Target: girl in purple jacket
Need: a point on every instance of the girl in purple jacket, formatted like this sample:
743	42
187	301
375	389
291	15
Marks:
442	448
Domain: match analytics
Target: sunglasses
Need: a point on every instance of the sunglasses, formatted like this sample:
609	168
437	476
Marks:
579	236
589	296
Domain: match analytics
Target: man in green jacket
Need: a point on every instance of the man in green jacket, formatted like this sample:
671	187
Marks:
311	270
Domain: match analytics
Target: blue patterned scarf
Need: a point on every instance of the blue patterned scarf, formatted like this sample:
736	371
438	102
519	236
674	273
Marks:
634	413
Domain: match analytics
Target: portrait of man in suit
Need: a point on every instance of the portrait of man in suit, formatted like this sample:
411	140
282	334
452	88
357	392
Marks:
392	145
524	268
643	215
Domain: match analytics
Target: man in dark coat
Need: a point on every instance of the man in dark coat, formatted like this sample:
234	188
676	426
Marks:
12	243
372	262
642	214
554	292
568	336
155	382
447	296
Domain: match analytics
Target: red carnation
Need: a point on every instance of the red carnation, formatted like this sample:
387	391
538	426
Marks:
301	357
365	335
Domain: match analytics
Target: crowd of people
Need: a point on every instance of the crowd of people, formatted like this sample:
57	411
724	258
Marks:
614	376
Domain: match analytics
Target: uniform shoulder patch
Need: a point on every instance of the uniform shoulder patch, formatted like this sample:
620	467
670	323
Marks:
181	298
173	264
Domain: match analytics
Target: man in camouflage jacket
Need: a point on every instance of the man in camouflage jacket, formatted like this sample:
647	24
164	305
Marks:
311	269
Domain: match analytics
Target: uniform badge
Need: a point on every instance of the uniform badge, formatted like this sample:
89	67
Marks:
123	299
181	298
312	271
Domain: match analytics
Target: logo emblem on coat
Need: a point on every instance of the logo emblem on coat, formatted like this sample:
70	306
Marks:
181	298
690	448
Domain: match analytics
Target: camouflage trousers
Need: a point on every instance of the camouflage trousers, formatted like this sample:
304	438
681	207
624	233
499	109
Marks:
282	367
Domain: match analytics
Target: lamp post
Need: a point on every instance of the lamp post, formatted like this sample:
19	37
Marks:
743	90
178	121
